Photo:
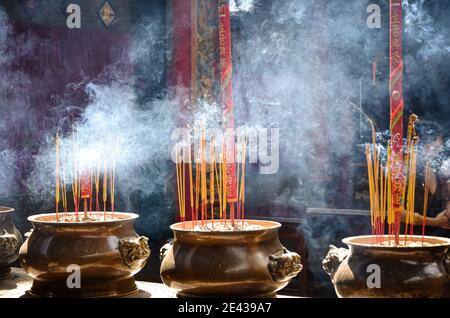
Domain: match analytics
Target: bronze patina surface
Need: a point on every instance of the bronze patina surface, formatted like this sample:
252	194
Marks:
405	271
10	241
107	253
246	263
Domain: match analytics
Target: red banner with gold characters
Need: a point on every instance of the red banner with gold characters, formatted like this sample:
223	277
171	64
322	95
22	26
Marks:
86	185
396	108
226	72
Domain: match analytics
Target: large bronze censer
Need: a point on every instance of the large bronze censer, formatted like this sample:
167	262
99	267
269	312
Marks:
406	270
238	263
102	254
10	241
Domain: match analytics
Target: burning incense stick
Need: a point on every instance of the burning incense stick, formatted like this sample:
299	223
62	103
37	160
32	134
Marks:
203	175
197	188
242	185
75	192
177	167
389	192
191	187
64	190
411	188
105	188
410	173
219	185
57	177
97	187
62	186
182	186
224	183
86	189
112	183
75	185
78	188
384	199
211	179
425	200
90	192
238	168
371	190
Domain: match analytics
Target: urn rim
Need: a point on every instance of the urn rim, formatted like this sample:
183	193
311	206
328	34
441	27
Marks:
6	209
266	225
49	218
366	242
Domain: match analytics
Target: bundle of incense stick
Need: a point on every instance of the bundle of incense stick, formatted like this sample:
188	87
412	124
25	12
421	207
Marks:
381	183
207	185
81	183
425	197
378	186
410	166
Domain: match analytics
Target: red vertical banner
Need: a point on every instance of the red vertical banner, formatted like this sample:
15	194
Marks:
226	72
396	108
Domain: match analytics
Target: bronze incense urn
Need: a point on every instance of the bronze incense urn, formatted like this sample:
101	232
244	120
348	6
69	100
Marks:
238	263
381	270
85	258
10	241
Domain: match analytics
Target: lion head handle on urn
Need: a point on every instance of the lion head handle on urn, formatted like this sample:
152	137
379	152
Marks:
9	243
333	259
134	251
165	249
284	266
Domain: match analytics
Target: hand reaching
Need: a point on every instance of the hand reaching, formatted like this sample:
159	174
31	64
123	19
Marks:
441	220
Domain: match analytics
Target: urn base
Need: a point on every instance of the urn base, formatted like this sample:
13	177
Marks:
94	289
189	295
5	273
